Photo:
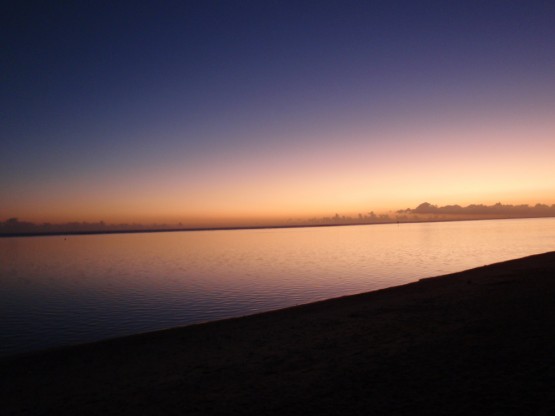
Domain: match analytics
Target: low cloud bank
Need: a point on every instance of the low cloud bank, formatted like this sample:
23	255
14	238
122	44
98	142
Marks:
538	210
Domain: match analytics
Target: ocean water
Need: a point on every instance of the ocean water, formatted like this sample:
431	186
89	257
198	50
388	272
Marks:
60	290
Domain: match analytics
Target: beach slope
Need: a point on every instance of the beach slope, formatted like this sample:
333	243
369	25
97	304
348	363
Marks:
476	342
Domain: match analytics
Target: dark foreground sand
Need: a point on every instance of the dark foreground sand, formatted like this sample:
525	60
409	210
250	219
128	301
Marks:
476	342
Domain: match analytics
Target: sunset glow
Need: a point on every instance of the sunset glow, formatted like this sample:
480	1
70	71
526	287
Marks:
262	114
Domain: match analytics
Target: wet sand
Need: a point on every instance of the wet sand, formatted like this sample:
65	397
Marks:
476	342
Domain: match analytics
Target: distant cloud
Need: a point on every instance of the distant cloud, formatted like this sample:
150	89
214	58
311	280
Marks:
499	209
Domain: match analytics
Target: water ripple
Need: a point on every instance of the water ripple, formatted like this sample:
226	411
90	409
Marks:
57	291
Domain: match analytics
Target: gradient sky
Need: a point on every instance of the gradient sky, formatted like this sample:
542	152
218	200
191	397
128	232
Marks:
225	112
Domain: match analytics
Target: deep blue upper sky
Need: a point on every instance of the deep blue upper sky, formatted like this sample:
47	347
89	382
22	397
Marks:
100	88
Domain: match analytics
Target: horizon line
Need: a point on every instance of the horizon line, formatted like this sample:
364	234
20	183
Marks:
254	227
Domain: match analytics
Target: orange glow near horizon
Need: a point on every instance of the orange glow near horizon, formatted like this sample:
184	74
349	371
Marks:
216	115
457	163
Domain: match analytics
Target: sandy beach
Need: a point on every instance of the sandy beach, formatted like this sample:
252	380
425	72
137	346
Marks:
477	342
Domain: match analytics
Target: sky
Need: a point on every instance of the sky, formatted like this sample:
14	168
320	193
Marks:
238	112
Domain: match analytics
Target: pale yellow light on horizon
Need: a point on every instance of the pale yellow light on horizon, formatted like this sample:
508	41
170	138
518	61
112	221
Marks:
356	170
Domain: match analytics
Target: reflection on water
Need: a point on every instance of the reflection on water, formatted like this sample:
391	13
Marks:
62	290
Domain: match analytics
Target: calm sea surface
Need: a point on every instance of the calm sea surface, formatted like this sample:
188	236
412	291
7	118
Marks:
64	290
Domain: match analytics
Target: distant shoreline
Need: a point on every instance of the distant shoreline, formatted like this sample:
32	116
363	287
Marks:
254	227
